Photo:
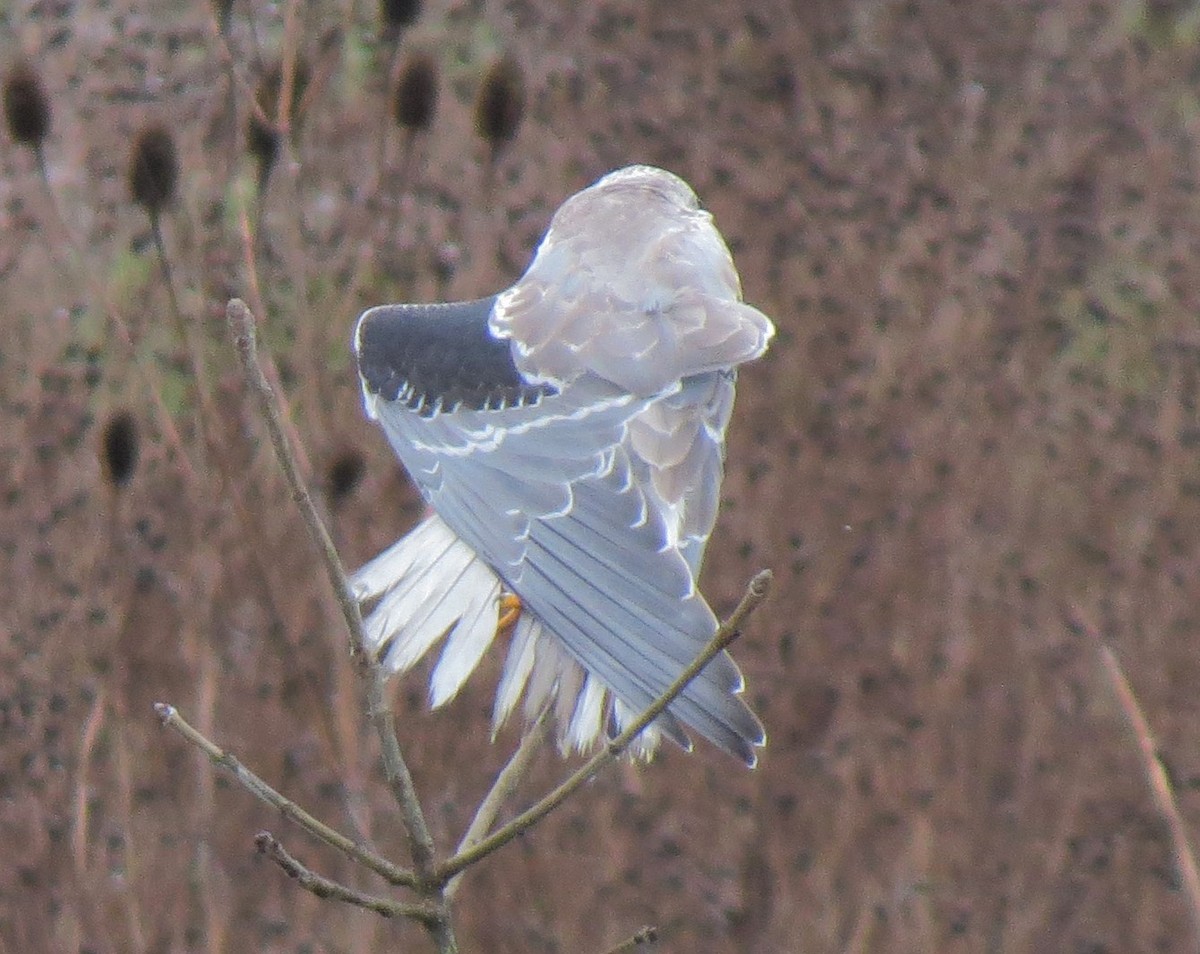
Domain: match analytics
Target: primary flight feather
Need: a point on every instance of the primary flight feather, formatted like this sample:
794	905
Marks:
568	434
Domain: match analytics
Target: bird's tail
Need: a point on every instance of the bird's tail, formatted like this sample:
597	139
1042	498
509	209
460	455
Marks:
429	586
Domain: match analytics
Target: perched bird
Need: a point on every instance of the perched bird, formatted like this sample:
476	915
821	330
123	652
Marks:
568	434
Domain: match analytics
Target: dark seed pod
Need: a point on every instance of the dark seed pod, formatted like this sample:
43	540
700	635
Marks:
119	449
500	106
262	142
224	11
345	473
26	106
153	168
415	100
397	15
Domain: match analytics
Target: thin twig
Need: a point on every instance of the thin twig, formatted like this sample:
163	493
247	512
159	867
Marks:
644	935
285	806
230	62
728	631
395	768
502	789
283	117
246	338
1156	776
91	731
207	412
1160	785
329	890
164	265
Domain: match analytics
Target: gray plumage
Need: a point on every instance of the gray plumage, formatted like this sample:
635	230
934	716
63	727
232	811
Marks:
568	434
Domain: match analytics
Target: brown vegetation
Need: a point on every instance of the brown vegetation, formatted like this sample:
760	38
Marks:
973	447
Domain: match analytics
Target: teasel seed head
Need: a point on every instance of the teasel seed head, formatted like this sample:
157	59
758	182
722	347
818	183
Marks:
500	106
153	168
26	105
397	15
119	449
415	99
224	13
345	472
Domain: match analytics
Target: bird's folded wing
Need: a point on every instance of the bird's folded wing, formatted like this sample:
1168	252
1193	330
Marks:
548	496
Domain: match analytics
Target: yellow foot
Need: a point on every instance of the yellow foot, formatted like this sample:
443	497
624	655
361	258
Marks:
510	612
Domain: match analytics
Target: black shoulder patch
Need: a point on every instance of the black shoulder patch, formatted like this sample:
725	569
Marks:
438	357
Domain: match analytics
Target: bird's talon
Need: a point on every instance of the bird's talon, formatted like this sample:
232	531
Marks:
510	612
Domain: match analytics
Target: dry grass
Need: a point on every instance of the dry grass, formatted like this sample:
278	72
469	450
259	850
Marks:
975	226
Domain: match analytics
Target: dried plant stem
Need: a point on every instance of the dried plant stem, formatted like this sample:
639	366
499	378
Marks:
79	836
195	350
246	339
287	79
259	305
72	258
222	758
380	713
164	264
1160	785
502	790
134	916
230	63
1156	776
728	631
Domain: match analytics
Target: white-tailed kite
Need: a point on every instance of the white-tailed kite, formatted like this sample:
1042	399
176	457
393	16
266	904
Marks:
568	434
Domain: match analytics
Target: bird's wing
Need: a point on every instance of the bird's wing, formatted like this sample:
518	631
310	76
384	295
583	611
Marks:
548	485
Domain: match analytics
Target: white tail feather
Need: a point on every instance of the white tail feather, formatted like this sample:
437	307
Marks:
471	637
543	680
517	666
587	722
430	583
381	574
646	742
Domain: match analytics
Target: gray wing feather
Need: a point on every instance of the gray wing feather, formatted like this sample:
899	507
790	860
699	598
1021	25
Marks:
630	638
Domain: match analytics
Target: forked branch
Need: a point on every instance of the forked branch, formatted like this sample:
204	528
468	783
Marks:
728	631
371	676
261	790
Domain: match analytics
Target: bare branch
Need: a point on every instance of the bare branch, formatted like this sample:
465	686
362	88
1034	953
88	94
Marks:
285	806
380	713
330	890
1160	785
246	339
728	631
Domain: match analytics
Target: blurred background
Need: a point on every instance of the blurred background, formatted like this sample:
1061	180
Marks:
970	458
